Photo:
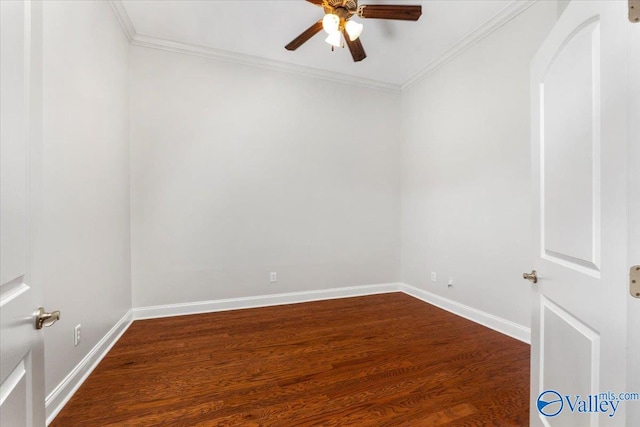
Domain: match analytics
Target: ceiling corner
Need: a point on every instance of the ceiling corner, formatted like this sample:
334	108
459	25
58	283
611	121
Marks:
509	12
123	18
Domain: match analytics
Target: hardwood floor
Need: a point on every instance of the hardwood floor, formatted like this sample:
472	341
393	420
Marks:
381	360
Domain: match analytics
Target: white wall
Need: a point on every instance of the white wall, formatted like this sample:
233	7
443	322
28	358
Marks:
466	170
633	306
239	171
84	232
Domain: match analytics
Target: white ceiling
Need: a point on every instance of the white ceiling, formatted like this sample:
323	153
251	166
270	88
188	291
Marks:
396	50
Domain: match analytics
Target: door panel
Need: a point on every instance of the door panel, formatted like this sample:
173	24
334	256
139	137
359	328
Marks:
21	361
570	117
579	140
14	397
567	370
14	157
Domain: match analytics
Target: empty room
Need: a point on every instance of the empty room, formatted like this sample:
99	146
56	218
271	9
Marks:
319	213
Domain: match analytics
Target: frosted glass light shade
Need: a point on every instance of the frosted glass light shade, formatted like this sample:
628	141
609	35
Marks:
330	23
334	39
354	29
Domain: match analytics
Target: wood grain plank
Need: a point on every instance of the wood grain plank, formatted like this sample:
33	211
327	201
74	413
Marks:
380	360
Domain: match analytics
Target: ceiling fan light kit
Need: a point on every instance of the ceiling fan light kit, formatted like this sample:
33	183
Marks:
354	29
334	39
337	23
331	23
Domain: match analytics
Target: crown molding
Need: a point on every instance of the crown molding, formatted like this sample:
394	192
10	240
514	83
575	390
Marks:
123	19
155	42
509	12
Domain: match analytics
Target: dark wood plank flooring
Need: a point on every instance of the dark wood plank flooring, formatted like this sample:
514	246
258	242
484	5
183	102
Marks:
381	360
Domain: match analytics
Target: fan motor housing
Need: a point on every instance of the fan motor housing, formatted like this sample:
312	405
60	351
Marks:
334	6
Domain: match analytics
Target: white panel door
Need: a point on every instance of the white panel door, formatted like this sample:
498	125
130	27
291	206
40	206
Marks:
579	136
21	361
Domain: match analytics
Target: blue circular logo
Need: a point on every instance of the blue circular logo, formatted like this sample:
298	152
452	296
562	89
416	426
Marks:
550	403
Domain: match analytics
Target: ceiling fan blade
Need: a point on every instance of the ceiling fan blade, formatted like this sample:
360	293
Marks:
316	2
355	47
306	35
391	11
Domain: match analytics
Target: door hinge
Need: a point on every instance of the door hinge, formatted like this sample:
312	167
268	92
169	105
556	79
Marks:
634	281
634	11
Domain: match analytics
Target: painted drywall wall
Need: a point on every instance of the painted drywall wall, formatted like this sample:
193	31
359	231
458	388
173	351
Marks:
466	170
238	172
84	229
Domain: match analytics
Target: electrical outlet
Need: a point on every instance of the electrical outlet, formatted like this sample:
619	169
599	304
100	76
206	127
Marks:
273	277
433	276
450	282
76	335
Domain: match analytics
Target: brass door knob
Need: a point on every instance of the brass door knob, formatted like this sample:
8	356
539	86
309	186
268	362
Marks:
532	277
46	319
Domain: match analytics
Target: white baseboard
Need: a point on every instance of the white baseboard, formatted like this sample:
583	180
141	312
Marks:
63	392
168	310
59	397
496	323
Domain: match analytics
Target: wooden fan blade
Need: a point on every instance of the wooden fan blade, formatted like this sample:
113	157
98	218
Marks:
306	35
316	2
355	47
392	11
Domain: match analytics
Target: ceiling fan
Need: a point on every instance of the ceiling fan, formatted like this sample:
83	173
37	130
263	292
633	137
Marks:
338	24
